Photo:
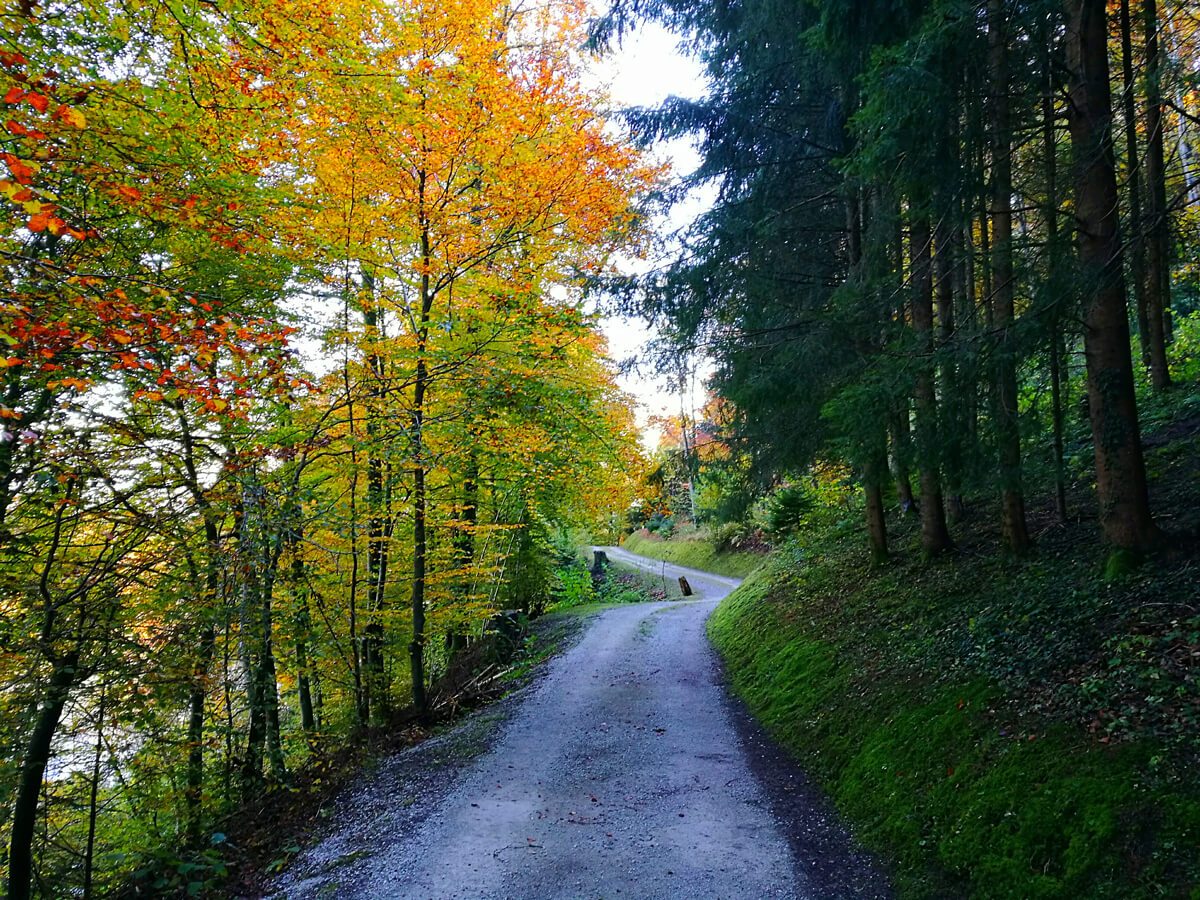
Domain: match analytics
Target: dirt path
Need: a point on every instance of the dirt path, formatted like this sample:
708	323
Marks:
623	772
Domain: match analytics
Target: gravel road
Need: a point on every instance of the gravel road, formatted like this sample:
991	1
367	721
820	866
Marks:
624	771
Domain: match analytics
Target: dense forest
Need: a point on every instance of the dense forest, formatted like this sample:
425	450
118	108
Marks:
301	390
297	381
931	217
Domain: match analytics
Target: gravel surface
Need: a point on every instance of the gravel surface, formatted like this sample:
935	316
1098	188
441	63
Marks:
625	771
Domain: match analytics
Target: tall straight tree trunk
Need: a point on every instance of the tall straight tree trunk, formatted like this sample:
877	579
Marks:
63	678
302	620
362	703
420	499
378	515
1158	262
270	682
1008	435
947	244
874	477
208	635
1057	373
258	563
874	467
89	852
1136	239
899	426
1120	470
934	536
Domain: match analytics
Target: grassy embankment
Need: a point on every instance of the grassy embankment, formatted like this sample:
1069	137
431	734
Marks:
993	727
694	551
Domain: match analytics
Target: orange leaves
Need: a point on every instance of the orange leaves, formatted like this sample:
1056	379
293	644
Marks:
22	170
71	116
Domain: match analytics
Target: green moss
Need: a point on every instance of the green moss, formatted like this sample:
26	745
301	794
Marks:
695	553
937	770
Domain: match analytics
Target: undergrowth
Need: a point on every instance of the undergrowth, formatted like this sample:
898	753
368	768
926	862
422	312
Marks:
995	727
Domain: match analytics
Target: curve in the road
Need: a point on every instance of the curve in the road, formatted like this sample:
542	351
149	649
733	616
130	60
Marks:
624	772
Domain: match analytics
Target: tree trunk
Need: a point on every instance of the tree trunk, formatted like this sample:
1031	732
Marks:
875	463
1008	435
1158	261
900	434
193	792
63	678
1136	240
270	686
89	852
378	516
874	471
1120	471
303	625
1057	373
362	706
946	250
420	500
934	536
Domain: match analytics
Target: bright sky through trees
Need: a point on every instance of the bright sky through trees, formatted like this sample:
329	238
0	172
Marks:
643	71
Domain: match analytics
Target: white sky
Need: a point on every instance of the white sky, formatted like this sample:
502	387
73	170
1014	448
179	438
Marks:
644	71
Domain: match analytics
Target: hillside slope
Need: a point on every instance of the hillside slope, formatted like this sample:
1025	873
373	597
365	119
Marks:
997	727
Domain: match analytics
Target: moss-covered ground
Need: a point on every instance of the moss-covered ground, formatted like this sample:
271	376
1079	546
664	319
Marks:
995	727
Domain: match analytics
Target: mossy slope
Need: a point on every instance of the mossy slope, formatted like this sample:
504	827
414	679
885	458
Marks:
938	768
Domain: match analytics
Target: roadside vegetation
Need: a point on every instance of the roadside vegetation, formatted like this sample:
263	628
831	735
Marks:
948	293
696	550
992	726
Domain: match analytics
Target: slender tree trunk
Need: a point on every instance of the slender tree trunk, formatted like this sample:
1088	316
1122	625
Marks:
362	705
420	499
303	625
270	684
89	853
1057	374
901	441
875	467
249	624
874	474
194	791
1008	435
63	678
1158	267
1120	470
211	583
1136	240
948	242
378	516
934	536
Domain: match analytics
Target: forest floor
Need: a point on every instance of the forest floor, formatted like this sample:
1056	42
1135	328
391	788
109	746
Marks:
996	727
622	770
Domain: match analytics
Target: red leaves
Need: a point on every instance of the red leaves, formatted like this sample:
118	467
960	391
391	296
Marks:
15	95
22	170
